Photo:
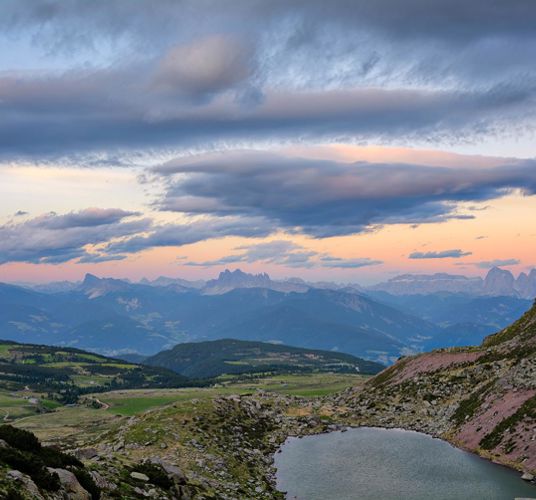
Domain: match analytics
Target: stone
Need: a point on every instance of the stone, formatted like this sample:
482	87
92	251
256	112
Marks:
86	453
102	482
171	470
527	476
139	476
70	484
26	482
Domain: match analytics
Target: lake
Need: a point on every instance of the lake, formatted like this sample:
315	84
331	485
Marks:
390	464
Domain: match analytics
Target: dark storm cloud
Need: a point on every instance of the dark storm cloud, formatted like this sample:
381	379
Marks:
55	238
194	73
327	198
444	254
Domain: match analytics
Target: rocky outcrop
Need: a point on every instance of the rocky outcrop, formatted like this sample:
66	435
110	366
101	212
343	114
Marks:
70	485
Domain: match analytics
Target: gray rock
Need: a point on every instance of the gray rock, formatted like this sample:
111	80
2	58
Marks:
26	483
102	482
86	453
527	476
139	476
70	484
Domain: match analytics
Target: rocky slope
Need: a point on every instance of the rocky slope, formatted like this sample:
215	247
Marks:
482	399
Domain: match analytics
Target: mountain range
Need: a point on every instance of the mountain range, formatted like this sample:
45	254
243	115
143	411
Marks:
114	317
497	282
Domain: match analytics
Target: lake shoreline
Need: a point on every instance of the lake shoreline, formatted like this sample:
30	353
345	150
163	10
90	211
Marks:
345	425
348	428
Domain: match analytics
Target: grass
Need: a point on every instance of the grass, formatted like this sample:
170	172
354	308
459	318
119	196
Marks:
132	402
68	424
13	407
77	425
129	406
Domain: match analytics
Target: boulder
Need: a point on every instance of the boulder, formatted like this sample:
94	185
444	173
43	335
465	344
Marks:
527	476
171	470
86	453
139	476
26	484
70	484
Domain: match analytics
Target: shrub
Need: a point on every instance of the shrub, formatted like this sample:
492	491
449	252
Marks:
57	459
155	473
32	465
87	482
19	438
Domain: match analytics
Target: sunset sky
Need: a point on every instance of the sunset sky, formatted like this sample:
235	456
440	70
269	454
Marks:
345	141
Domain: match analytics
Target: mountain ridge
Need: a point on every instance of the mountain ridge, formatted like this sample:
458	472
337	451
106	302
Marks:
497	282
237	357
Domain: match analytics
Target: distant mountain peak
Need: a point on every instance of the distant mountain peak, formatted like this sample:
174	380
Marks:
497	282
229	280
238	274
90	279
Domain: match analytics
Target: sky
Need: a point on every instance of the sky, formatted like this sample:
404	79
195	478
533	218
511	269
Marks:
348	141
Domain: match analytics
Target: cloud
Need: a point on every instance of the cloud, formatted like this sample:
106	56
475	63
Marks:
54	239
445	254
280	252
262	71
97	258
20	213
204	67
325	198
337	262
288	254
170	235
497	263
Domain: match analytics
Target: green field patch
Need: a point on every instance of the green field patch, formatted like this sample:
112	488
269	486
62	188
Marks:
4	350
132	406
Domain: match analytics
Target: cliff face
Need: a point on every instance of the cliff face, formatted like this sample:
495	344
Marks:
480	398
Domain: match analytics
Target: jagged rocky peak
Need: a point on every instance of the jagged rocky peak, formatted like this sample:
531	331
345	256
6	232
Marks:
90	280
94	286
238	276
499	282
230	280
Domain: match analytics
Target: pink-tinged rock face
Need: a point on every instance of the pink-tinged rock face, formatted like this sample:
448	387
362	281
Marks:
524	439
497	408
434	361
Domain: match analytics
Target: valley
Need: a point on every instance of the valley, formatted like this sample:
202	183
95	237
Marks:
116	318
477	398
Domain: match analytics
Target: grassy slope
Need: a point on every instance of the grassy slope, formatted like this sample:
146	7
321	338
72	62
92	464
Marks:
37	378
229	356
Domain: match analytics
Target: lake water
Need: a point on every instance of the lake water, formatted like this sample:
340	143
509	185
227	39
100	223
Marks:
390	464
